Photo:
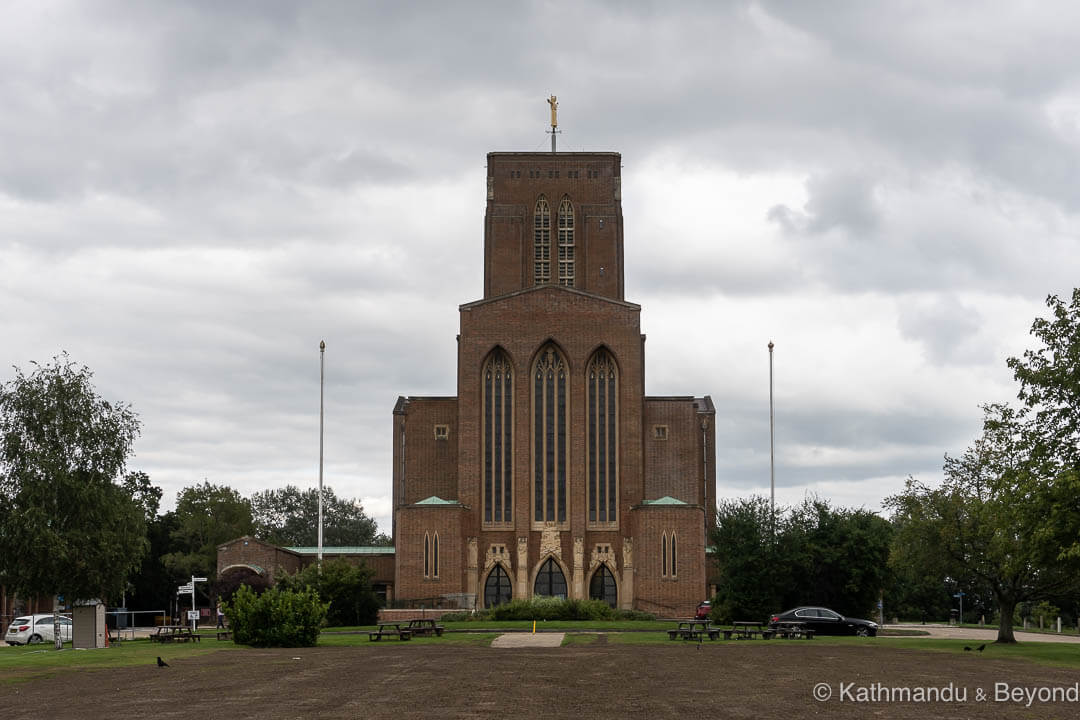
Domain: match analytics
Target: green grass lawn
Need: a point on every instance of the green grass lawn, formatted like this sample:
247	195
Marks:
38	661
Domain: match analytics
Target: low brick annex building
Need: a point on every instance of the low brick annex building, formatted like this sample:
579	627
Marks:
551	472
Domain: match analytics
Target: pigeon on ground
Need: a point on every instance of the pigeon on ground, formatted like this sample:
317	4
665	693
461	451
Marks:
967	649
161	663
981	647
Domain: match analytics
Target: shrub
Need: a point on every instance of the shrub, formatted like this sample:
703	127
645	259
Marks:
276	618
550	608
346	587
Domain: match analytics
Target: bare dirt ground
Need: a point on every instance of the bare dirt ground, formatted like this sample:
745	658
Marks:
600	680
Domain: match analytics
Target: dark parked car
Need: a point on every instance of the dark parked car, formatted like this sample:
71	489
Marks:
824	621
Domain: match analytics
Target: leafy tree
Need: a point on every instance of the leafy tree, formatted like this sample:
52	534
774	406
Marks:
146	494
154	587
817	555
995	520
68	524
345	586
289	516
837	557
207	515
1049	378
747	561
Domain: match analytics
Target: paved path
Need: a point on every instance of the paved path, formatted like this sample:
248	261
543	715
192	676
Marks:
529	640
983	634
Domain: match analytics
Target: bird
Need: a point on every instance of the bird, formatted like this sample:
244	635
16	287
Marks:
161	663
981	647
967	649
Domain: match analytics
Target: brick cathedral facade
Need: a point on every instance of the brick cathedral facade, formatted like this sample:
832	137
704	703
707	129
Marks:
551	472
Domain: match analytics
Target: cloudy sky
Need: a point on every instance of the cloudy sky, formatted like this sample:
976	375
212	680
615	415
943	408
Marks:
194	194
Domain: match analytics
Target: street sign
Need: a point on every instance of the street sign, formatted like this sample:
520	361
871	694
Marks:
192	614
195	579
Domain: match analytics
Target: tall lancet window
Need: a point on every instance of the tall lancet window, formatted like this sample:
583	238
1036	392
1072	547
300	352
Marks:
498	395
542	242
602	382
550	451
566	243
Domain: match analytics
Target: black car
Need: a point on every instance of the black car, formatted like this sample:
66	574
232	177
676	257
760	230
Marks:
824	621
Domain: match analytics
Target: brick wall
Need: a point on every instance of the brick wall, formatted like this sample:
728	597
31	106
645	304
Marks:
413	523
592	183
430	463
248	550
680	594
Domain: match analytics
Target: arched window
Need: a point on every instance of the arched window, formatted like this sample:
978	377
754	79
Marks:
663	555
542	242
550	450
550	580
602	586
566	243
497	587
435	556
674	556
498	387
427	555
602	381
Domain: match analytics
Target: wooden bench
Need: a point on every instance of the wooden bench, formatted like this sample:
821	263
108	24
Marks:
425	626
390	630
224	634
174	633
694	630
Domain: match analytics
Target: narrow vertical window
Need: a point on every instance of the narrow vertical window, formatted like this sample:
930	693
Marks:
498	437
435	556
663	555
674	556
542	242
427	555
550	448
602	479
566	243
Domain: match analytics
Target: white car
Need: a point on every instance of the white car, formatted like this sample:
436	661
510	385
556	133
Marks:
29	629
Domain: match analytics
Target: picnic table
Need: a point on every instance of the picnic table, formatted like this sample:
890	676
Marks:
425	626
390	629
747	630
694	630
174	633
793	630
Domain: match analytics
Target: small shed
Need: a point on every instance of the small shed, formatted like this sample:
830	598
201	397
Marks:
88	624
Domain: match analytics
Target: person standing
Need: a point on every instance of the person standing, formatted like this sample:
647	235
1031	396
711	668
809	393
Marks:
220	616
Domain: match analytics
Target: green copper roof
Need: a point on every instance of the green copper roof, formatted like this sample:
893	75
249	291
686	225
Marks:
353	550
666	500
435	500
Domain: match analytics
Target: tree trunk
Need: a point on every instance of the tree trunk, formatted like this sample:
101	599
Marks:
1005	627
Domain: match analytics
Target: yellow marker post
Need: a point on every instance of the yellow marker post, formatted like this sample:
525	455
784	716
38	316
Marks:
534	627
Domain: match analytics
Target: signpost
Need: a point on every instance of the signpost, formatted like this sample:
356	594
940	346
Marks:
186	588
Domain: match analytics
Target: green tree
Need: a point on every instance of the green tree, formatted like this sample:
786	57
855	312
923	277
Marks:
836	557
816	555
1049	378
345	586
207	515
68	524
995	521
748	565
289	516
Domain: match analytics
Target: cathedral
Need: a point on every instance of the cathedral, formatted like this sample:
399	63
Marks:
550	472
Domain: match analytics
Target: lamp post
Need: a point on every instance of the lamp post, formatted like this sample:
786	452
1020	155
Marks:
322	355
961	596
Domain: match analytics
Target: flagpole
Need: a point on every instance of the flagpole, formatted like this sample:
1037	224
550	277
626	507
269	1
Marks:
322	355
